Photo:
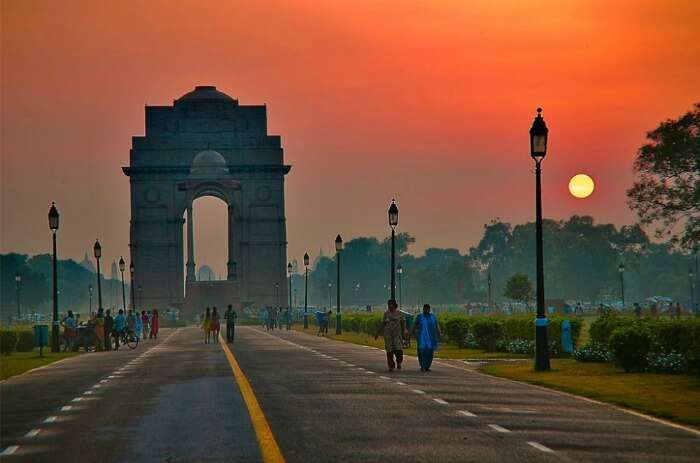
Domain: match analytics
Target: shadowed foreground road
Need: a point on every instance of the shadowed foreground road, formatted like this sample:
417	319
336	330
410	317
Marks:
325	401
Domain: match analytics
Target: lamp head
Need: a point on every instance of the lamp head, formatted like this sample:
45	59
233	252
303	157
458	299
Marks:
306	259
538	137
97	249
393	214
53	217
122	264
338	243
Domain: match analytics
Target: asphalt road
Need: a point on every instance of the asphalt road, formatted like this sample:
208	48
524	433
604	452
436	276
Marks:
326	401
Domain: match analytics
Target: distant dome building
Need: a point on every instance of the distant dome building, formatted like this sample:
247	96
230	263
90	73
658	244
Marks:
205	93
205	273
87	263
208	163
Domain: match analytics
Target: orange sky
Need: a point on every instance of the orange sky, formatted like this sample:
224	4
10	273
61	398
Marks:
429	101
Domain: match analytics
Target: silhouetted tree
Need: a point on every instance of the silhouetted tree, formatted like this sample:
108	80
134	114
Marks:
519	288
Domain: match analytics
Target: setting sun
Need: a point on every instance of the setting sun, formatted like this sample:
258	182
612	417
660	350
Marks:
581	186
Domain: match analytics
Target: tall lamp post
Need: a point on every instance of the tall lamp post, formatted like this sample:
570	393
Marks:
697	282
277	295
338	250
98	254
18	281
131	285
53	225
289	277
621	271
489	281
90	297
399	270
691	278
393	222
538	150
122	266
330	297
306	289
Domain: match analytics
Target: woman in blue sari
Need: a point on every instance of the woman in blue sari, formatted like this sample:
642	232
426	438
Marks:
427	332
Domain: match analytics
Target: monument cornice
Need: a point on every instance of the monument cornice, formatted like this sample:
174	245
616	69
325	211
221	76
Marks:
185	170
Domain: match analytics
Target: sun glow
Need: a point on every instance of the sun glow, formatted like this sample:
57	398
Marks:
581	186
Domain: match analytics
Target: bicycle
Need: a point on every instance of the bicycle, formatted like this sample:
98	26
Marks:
126	337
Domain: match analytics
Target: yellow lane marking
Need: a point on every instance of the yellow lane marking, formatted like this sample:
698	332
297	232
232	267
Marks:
266	440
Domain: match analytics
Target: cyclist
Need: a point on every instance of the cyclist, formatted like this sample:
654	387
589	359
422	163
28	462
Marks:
119	327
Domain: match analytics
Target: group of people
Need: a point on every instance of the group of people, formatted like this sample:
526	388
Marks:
274	318
108	329
211	324
324	319
395	330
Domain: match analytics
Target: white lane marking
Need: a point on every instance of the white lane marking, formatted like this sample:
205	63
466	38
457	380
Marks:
96	386
441	402
50	419
385	377
498	428
351	365
88	392
77	399
417	391
66	408
400	383
32	433
104	381
370	372
360	369
539	446
466	413
9	450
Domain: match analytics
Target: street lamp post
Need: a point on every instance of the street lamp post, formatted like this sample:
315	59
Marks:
691	278
90	297
489	281
538	150
621	270
18	281
131	285
393	222
277	295
306	289
399	270
53	225
330	296
139	289
697	282
98	254
338	250
289	277
122	266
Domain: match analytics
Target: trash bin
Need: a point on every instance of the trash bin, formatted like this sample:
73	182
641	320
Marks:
41	337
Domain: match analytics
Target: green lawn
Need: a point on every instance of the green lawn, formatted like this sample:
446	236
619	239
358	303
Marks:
674	397
446	351
19	362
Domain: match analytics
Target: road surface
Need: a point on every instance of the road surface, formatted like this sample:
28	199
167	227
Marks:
177	400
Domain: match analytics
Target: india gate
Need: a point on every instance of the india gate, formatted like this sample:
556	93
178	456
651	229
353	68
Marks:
207	144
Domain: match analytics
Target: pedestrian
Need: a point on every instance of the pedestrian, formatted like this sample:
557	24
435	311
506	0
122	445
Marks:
678	310
637	310
206	324
328	322
215	323
427	333
99	327
393	327
68	331
130	322
109	323
146	324
155	324
230	317
138	328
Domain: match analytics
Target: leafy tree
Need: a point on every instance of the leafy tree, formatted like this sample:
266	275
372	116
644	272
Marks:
519	288
667	189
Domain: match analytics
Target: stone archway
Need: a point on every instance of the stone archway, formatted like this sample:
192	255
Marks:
206	144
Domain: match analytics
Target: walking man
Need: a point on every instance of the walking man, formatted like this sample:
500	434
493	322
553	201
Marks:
230	317
109	324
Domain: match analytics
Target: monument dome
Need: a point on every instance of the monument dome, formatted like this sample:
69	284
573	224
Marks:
205	93
208	163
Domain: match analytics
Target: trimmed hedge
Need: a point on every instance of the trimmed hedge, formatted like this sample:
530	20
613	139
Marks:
8	341
25	341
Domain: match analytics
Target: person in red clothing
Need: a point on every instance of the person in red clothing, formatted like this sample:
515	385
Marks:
155	325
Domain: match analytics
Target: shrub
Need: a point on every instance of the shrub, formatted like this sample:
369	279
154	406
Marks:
487	332
8	341
603	326
25	341
672	362
520	346
456	328
630	345
592	352
468	341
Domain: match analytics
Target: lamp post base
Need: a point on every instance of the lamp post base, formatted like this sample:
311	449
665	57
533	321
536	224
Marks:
338	325
306	321
541	345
